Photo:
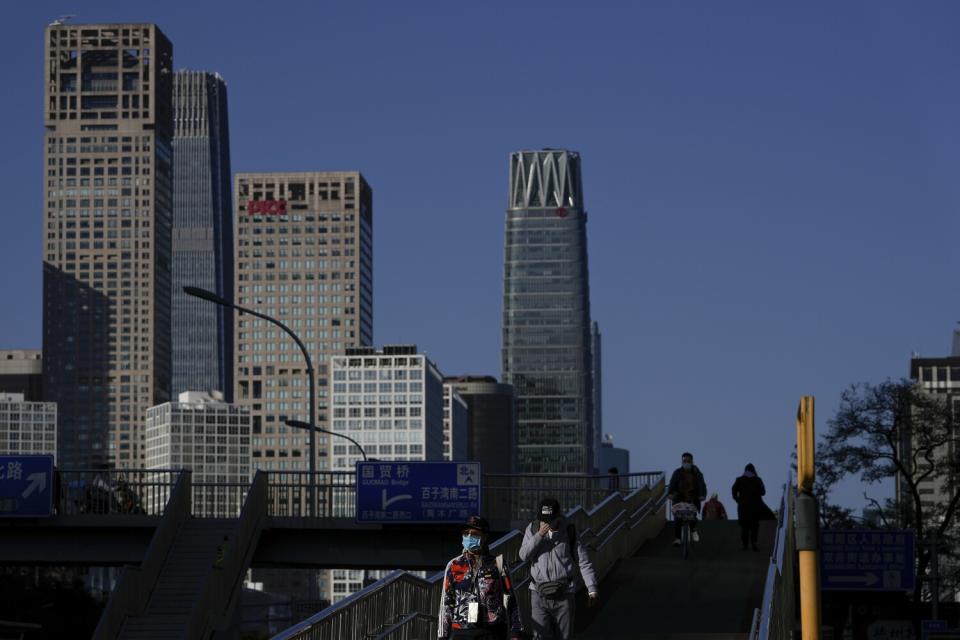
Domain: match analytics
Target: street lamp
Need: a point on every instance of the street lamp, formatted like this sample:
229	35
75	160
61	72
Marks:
209	296
300	424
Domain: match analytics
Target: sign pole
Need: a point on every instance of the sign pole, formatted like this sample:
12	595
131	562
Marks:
806	524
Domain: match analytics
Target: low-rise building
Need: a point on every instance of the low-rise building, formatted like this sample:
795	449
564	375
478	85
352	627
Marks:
209	437
27	427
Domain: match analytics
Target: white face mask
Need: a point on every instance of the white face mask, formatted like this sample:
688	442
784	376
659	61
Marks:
687	466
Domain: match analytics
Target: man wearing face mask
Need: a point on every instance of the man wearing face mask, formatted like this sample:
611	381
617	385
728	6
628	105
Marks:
477	599
687	485
550	546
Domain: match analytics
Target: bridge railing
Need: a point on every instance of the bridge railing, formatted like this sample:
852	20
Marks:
114	491
289	493
219	499
402	605
774	620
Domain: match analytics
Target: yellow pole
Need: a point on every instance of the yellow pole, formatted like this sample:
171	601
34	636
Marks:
807	534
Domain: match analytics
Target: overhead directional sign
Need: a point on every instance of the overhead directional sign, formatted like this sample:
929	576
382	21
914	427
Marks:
26	486
417	492
867	560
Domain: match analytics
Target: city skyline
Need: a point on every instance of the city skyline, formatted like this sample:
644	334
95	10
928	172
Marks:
762	223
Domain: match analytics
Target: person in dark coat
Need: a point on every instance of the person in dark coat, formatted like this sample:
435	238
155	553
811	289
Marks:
687	485
748	491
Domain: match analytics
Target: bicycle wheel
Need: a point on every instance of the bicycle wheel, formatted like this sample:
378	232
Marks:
685	540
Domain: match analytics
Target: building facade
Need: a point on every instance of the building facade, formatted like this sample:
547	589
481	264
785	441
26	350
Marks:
304	255
597	379
455	418
209	437
613	457
390	401
940	377
106	239
491	421
27	427
21	371
202	338
546	313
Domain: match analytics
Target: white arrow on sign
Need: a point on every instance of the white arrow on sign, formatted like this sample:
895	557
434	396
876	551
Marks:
35	481
387	503
867	579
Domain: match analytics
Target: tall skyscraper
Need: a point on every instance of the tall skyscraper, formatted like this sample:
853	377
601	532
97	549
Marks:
107	214
305	257
597	379
546	313
202	339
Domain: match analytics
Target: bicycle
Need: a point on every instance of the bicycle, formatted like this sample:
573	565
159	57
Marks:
685	513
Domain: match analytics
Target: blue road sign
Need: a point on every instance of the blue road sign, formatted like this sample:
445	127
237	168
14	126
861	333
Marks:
417	492
867	560
26	486
928	626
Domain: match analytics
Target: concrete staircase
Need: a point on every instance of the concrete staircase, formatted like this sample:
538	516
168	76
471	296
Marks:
181	582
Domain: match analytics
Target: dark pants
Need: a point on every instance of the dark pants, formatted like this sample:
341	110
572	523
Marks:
749	531
495	632
552	617
678	527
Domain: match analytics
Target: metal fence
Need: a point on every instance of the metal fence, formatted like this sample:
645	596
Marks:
515	498
505	498
113	491
289	493
403	606
218	500
774	620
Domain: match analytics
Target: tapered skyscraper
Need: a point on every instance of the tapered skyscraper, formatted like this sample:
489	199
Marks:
546	313
106	238
202	234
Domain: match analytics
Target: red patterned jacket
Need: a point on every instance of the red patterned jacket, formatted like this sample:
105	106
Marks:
482	582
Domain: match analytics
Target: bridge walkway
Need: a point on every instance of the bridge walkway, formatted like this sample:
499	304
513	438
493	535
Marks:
657	595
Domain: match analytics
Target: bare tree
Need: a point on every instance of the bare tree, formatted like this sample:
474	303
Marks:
896	430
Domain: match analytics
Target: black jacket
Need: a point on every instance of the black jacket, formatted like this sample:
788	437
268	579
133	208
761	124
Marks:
701	486
749	492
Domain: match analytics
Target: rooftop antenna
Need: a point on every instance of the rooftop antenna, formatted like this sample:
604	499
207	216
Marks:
61	20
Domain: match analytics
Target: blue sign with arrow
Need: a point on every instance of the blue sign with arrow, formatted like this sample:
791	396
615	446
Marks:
867	560
26	486
417	492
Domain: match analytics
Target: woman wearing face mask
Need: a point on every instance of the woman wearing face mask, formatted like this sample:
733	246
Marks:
477	599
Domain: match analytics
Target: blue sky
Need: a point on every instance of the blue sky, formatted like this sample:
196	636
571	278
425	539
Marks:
772	187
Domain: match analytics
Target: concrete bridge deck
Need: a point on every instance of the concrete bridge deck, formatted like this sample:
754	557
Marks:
657	595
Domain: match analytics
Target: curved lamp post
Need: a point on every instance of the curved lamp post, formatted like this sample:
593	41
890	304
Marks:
300	424
209	296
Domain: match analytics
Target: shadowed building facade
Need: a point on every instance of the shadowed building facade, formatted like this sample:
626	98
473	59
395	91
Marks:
202	339
546	313
106	239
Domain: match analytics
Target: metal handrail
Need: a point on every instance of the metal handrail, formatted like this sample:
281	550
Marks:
611	529
774	619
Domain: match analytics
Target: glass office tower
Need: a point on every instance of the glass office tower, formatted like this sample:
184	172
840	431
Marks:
202	338
546	313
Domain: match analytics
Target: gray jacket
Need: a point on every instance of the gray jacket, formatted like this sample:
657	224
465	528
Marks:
550	558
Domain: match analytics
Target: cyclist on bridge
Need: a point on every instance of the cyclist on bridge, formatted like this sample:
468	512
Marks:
687	485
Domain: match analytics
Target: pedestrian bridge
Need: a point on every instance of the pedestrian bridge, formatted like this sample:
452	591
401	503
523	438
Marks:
186	547
648	591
